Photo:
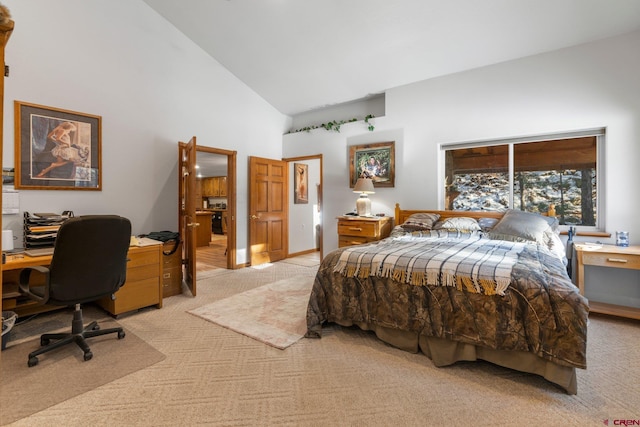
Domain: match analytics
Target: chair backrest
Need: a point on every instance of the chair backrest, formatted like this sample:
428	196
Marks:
90	258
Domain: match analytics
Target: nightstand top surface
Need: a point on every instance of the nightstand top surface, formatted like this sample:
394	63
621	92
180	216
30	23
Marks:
597	247
365	218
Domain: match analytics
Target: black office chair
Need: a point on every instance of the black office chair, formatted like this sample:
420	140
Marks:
89	262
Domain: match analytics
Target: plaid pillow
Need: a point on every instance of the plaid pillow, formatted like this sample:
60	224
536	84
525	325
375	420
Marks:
420	221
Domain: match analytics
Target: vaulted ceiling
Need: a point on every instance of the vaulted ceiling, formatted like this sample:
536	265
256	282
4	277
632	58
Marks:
302	55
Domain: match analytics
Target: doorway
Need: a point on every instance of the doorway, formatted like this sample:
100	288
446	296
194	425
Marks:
305	211
215	209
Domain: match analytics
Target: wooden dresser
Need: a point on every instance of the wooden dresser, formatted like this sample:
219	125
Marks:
355	230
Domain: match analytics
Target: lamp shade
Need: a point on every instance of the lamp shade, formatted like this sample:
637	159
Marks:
364	186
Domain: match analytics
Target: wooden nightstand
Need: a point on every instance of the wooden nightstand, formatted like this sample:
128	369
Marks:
607	256
355	230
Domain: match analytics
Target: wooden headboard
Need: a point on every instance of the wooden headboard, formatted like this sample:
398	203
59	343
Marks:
402	214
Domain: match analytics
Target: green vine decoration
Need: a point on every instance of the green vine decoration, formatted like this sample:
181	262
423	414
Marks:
369	125
334	125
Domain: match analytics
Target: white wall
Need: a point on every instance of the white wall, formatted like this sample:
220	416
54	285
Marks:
152	86
592	85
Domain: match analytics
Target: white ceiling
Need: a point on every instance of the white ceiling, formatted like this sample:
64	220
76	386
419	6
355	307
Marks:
302	55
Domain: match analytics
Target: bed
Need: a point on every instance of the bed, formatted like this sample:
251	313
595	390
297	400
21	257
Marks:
461	286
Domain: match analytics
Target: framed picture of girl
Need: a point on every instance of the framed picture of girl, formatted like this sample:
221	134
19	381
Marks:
374	161
57	149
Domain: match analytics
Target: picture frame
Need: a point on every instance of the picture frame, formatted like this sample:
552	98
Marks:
301	183
375	161
57	149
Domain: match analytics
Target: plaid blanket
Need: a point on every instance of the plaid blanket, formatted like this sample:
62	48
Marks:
476	265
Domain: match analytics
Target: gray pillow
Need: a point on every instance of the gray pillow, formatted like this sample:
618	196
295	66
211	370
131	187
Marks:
487	224
523	226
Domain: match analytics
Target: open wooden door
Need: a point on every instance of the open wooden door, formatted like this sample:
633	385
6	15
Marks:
268	210
187	209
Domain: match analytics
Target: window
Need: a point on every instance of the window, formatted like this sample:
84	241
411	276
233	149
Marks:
553	174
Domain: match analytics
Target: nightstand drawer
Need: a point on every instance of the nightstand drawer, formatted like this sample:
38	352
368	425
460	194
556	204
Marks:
617	260
351	240
356	231
357	228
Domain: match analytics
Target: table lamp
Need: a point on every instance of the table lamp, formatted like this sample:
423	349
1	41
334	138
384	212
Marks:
363	186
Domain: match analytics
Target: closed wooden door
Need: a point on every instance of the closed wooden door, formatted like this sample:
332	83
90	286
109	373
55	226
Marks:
268	210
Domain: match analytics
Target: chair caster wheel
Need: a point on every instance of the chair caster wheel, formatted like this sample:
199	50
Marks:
33	361
44	341
121	335
88	356
96	328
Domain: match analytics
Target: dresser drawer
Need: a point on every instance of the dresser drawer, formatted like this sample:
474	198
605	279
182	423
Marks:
617	260
357	228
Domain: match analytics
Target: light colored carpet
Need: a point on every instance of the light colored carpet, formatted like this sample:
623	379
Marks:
274	314
213	376
63	373
306	261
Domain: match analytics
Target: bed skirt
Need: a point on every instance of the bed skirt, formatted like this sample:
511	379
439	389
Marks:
443	352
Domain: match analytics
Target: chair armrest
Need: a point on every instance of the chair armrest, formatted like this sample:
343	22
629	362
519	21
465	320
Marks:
25	276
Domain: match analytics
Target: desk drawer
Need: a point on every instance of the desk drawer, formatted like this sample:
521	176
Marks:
628	261
143	256
134	295
143	272
357	228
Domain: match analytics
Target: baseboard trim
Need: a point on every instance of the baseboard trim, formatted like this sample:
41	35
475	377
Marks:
309	251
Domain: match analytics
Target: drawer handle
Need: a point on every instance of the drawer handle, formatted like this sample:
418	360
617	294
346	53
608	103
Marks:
355	229
617	260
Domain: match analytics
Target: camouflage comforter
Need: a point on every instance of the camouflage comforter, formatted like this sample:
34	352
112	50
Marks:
541	312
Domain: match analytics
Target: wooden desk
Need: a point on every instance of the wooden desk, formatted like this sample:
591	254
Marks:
142	288
607	256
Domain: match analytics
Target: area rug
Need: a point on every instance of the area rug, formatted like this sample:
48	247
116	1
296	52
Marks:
274	314
63	373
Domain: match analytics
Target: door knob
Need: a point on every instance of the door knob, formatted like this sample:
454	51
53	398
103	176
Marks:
254	217
193	224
